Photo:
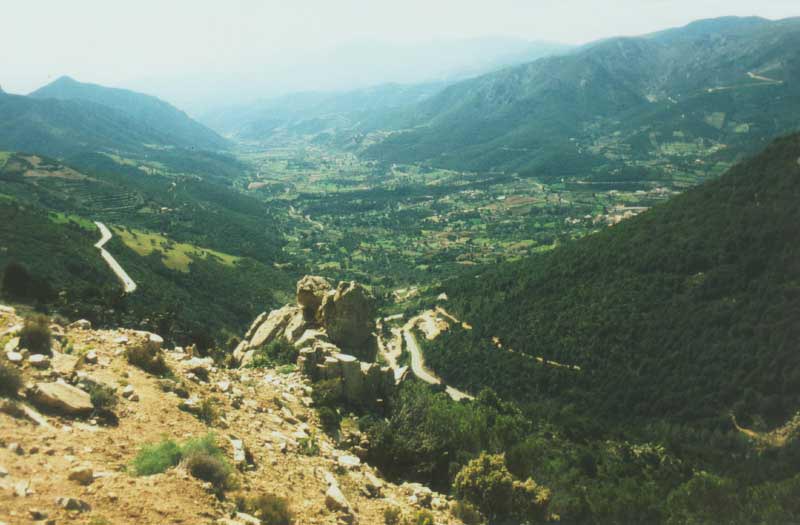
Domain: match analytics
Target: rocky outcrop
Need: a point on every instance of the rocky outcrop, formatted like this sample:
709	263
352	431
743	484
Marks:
348	314
311	290
333	330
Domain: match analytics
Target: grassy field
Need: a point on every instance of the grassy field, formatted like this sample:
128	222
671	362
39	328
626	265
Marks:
65	218
175	255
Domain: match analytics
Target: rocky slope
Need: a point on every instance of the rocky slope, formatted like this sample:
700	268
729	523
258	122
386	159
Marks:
63	460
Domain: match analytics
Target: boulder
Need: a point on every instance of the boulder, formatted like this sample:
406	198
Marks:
39	361
82	474
273	326
12	345
335	500
311	289
81	324
14	357
199	366
347	315
61	397
90	358
73	504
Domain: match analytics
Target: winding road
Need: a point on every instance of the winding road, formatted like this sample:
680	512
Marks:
418	367
105	236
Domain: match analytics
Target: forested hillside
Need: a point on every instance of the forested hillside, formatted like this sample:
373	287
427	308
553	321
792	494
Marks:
683	314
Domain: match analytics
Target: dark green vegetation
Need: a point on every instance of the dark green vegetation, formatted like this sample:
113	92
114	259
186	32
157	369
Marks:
153	362
274	354
10	379
682	314
35	335
661	106
173	125
46	210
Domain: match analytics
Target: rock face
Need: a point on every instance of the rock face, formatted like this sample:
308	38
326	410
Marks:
311	290
347	315
333	329
62	398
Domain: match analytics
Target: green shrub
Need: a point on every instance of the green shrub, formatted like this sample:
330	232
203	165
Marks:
210	467
423	517
10	380
149	360
487	483
467	513
391	516
204	460
154	459
207	411
275	353
269	508
308	446
327	393
35	335
329	418
104	398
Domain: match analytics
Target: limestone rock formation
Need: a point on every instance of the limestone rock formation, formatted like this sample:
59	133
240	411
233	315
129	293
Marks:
348	314
311	290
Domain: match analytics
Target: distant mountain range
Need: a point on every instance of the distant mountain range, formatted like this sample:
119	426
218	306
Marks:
314	111
67	117
735	81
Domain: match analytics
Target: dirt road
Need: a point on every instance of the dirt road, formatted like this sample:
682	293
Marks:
105	236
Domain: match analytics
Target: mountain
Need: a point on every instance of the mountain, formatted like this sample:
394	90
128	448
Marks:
173	125
314	112
687	313
642	104
415	79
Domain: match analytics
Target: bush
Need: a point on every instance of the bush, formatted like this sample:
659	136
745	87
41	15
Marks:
19	284
149	360
308	446
275	353
467	513
207	411
154	459
10	380
104	398
35	335
269	508
423	517
391	516
329	419
205	461
487	483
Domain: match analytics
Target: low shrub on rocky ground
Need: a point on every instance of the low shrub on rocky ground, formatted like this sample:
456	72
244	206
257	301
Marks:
391	516
35	335
148	360
467	513
156	458
276	353
10	380
269	508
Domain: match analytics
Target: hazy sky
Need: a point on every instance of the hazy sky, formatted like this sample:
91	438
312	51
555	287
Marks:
121	43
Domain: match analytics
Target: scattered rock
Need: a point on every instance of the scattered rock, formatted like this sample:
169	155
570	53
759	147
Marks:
16	448
247	519
3	472
199	366
61	397
73	504
82	324
39	361
37	514
335	500
349	462
90	357
14	357
130	394
12	345
82	474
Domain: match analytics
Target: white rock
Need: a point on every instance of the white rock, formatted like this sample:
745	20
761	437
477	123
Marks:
90	357
39	361
14	357
350	462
